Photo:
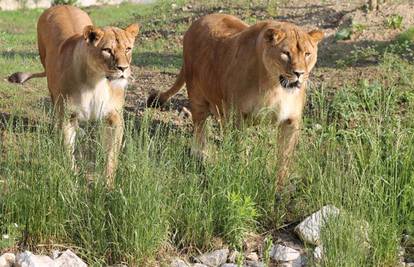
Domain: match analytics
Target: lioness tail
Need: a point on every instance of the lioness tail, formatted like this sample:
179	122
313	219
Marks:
158	99
21	77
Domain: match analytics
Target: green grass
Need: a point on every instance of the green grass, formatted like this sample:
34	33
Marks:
361	160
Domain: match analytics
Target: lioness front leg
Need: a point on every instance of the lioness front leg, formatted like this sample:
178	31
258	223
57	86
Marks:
69	127
112	142
287	139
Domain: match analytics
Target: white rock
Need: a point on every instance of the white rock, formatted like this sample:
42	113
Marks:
283	253
215	258
229	265
69	259
199	265
179	263
7	260
310	229
318	253
27	259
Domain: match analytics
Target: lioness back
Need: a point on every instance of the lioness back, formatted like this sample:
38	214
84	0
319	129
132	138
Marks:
56	25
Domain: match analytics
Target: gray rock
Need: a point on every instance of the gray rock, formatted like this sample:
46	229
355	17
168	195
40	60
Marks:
27	259
179	263
229	265
310	229
215	258
69	259
7	260
284	254
199	265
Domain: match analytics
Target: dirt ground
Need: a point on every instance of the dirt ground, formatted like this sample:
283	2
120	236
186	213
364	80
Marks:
329	16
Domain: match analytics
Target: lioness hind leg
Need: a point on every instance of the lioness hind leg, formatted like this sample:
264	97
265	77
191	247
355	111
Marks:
112	143
199	114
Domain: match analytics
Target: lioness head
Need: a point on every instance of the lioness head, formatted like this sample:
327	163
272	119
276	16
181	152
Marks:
289	53
110	50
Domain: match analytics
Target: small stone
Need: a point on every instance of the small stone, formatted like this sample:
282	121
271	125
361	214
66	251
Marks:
215	258
229	265
7	260
318	253
199	265
254	264
409	264
310	229
55	254
27	259
117	265
233	256
318	127
283	253
252	256
69	259
179	263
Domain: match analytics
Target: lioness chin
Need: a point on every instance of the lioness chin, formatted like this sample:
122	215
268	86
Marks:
231	65
87	70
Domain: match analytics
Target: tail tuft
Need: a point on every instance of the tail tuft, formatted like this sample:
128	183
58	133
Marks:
154	100
21	77
18	77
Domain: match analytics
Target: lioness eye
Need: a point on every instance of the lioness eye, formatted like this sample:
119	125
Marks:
107	50
307	54
128	49
285	55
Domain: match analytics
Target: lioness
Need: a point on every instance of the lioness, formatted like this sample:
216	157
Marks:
231	65
87	70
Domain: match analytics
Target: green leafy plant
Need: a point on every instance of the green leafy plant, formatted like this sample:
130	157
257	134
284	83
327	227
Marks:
347	32
65	2
394	22
241	214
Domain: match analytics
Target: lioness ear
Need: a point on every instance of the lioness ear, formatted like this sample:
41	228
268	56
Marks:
133	29
274	35
316	35
92	34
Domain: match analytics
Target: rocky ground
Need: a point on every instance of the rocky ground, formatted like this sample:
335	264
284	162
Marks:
258	251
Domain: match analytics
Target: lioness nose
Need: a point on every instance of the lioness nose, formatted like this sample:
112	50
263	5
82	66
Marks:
298	73
121	68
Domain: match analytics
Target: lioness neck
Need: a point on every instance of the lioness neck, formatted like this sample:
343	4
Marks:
83	70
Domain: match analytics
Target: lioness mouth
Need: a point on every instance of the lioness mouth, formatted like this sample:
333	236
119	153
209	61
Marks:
287	84
112	78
